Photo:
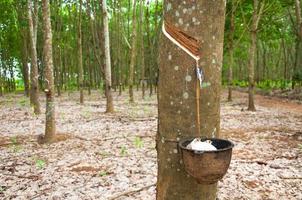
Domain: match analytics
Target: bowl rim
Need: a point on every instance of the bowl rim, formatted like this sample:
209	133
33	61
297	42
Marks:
180	144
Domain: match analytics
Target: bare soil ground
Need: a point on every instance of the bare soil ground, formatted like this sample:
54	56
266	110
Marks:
102	156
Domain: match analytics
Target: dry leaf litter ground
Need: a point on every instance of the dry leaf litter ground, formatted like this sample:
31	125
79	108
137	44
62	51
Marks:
113	156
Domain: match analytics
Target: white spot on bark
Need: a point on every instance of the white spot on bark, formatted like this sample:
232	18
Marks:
171	103
177	13
176	68
169	6
180	21
188	78
178	111
175	151
213	133
184	10
170	57
162	140
214	37
213	61
185	95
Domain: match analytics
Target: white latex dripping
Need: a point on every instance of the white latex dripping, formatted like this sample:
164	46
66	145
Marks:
198	145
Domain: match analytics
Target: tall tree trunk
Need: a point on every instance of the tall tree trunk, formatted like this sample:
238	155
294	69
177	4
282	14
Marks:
251	71
109	99
142	49
80	54
298	59
177	94
50	127
149	49
34	75
24	54
231	52
133	54
251	68
119	49
1	82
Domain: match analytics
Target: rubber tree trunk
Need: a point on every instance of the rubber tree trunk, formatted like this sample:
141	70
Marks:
142	47
80	54
231	51
34	74
203	20
251	69
257	12
50	127
109	103
24	56
133	54
298	56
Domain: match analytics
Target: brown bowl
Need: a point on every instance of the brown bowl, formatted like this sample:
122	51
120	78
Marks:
207	167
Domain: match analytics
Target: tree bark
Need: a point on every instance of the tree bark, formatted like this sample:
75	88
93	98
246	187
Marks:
80	54
251	68
251	72
133	54
298	59
50	127
109	99
177	108
34	74
231	52
24	54
142	49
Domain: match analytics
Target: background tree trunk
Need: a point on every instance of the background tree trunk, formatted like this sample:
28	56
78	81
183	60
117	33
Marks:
203	20
109	105
298	59
50	127
34	74
142	49
24	54
231	51
133	53
80	54
251	68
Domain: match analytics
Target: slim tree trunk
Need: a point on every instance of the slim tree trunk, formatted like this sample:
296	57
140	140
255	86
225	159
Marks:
142	49
149	50
50	127
80	54
177	94
109	99
251	68
298	59
24	54
251	105
231	51
34	76
133	53
119	49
